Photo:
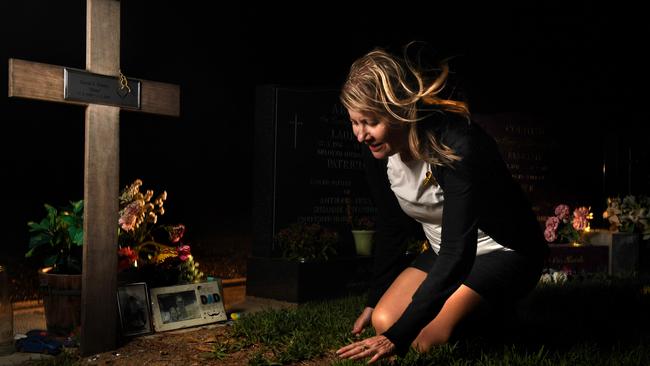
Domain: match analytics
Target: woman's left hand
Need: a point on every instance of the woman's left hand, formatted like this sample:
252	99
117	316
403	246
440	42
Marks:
377	347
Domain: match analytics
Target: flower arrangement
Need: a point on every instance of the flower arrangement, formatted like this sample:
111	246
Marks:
305	242
563	228
363	223
148	246
631	214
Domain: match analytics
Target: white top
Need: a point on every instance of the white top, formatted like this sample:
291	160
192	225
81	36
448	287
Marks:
424	203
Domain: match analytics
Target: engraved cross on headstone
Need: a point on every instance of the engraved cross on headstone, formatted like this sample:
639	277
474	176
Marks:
295	124
101	168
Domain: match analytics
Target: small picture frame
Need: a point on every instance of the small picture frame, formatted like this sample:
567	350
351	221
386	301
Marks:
133	304
189	305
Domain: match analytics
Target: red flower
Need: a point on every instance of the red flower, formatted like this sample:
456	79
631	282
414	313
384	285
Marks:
126	258
183	252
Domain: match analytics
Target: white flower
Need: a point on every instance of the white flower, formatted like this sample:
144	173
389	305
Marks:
554	278
559	277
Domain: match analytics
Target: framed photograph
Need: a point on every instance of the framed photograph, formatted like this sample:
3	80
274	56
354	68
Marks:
133	305
188	305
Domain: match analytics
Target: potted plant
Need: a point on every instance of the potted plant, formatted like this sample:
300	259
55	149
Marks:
629	220
363	232
58	239
306	266
304	242
629	215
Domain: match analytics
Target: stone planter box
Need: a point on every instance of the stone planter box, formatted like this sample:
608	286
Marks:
298	282
604	252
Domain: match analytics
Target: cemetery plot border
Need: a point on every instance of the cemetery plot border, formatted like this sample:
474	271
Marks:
295	281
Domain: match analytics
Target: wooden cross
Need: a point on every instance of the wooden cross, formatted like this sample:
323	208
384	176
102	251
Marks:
101	168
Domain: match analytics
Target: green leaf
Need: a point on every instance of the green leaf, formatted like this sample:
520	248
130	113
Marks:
77	236
51	212
77	207
68	218
39	226
46	224
38	240
29	253
49	261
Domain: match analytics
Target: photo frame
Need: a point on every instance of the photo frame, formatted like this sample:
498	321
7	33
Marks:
134	308
189	305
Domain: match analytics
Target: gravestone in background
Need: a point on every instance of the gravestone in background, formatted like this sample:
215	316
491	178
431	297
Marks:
536	151
307	168
527	146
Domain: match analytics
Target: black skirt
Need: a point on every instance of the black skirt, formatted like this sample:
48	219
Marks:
499	276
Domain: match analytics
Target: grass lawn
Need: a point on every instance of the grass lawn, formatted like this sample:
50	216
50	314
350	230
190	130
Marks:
586	321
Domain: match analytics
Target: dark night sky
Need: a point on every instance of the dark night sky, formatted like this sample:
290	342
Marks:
579	65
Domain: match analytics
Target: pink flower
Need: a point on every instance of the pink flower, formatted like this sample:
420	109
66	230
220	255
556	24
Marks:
549	234
183	252
129	219
552	222
562	212
580	218
563	228
579	223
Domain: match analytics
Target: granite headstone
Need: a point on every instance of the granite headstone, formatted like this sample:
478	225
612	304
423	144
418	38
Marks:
308	170
527	147
532	148
308	166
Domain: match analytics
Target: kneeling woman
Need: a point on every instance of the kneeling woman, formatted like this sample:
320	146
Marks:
447	173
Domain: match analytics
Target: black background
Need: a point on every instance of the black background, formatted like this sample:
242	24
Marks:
579	65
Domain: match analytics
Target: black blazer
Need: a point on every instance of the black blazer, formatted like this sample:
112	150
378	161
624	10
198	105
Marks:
479	193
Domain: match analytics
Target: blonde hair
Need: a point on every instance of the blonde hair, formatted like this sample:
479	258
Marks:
391	86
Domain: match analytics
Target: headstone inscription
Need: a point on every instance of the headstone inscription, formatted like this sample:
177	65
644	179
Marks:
308	170
308	165
578	259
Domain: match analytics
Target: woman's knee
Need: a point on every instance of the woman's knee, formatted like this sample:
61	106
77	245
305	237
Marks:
424	342
396	299
382	319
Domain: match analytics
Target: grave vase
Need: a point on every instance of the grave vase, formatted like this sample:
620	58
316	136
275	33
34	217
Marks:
363	241
626	253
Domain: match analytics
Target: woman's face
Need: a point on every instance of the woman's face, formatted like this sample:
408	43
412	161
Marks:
375	131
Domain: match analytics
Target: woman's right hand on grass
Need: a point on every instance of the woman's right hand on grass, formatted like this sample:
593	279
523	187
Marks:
362	321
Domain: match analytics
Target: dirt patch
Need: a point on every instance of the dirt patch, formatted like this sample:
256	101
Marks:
187	348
